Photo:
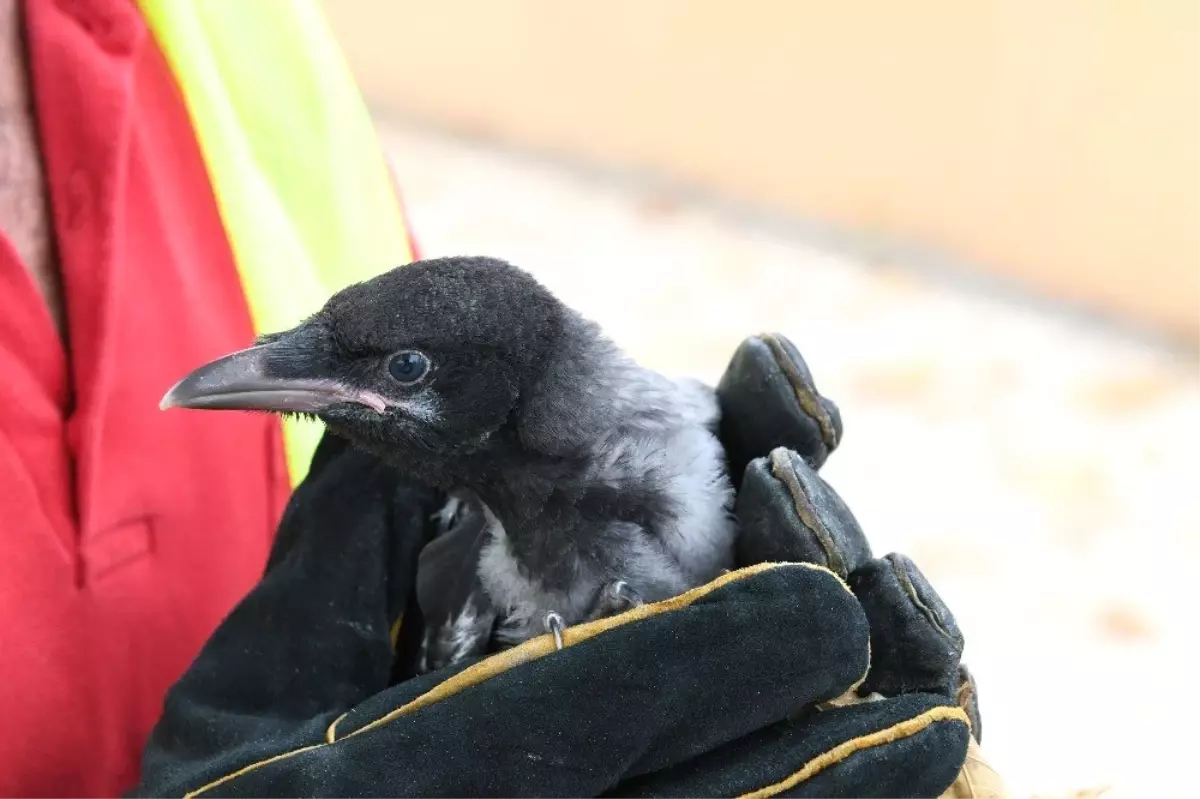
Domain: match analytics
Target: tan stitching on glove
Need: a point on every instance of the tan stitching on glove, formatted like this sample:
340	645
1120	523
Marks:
911	590
394	633
252	767
331	731
837	754
781	469
805	394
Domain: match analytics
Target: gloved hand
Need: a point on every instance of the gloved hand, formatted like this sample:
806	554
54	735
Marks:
753	683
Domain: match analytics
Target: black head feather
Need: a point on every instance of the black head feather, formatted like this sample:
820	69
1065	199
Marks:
486	329
425	364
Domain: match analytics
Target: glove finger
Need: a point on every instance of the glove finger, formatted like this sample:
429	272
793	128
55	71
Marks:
786	512
913	745
915	642
627	695
768	399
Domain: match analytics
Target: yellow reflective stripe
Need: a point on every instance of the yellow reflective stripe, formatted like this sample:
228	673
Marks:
298	173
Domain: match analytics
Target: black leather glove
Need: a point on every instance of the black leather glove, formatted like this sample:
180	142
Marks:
750	684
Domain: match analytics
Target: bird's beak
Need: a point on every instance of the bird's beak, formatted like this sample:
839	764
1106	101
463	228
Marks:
246	380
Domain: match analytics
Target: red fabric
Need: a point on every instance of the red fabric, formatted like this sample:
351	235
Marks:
126	533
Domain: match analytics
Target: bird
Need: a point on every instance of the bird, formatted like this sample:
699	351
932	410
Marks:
578	484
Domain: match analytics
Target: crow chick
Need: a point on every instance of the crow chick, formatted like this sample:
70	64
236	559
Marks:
597	483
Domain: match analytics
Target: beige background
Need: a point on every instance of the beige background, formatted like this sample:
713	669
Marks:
1052	141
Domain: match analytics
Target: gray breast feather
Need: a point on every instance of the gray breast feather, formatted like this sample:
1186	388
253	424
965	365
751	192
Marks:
667	439
663	442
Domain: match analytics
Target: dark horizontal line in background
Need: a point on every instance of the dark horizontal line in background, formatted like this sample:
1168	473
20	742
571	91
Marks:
871	249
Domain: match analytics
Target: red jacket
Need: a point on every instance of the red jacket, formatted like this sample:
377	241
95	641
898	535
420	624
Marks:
126	533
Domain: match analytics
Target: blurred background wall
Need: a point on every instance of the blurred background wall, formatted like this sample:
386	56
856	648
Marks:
1054	144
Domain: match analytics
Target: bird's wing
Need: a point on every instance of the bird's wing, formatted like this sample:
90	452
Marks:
459	616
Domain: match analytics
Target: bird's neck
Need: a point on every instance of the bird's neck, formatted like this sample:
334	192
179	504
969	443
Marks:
587	390
499	468
512	479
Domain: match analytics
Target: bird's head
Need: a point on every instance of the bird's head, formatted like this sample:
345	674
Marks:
418	363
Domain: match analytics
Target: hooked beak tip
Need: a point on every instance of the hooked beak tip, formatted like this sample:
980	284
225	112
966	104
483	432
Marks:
170	399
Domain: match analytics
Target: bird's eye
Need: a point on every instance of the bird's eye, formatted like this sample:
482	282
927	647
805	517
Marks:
408	367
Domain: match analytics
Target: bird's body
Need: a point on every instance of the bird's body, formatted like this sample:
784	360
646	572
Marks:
643	500
578	481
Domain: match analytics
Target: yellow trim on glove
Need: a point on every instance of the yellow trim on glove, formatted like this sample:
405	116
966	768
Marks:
394	632
530	650
837	754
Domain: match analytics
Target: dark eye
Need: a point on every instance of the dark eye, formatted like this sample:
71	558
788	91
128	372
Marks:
408	366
